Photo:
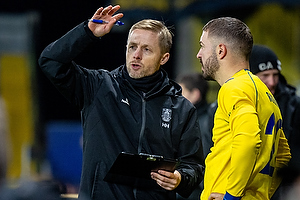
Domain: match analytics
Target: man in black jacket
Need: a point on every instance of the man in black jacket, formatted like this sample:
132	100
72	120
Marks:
265	64
135	108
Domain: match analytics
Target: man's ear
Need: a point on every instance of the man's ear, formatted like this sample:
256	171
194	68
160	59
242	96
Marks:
164	58
222	51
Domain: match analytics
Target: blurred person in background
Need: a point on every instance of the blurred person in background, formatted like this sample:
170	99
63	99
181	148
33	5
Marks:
265	64
195	88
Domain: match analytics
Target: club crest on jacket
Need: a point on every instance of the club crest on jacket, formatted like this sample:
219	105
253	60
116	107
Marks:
166	114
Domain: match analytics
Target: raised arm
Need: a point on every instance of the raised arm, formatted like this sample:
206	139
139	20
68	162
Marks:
56	60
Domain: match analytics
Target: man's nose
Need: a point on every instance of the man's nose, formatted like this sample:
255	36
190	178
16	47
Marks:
137	53
271	81
198	55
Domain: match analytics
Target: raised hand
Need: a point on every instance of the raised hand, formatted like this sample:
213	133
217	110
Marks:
107	15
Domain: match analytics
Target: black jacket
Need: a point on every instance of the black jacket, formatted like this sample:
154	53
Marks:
289	104
116	118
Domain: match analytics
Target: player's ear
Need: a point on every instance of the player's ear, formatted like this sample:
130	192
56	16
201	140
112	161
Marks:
221	51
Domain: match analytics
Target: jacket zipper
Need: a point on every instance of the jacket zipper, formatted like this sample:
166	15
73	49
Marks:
143	124
141	134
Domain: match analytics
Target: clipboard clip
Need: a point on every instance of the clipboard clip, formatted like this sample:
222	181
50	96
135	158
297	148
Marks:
151	157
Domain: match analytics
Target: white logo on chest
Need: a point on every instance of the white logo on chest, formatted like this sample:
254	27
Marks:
166	117
125	101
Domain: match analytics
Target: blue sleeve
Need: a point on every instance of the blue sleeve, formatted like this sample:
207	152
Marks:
228	196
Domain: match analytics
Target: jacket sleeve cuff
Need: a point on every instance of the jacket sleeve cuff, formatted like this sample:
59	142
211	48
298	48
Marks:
89	32
183	185
228	196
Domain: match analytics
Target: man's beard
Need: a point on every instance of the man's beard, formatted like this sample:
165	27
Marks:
210	67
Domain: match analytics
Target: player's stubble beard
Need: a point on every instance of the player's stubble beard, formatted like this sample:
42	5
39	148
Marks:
210	67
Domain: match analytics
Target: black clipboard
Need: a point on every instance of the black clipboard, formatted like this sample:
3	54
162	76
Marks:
131	168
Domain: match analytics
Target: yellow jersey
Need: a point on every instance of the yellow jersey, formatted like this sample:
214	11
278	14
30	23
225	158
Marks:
249	143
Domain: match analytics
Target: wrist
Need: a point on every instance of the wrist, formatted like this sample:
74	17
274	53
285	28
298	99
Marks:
228	196
88	30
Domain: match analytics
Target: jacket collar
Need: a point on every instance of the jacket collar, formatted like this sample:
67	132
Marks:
167	87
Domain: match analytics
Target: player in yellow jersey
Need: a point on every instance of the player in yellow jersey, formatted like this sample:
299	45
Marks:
249	144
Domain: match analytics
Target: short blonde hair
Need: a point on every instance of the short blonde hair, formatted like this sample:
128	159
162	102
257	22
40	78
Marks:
165	35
